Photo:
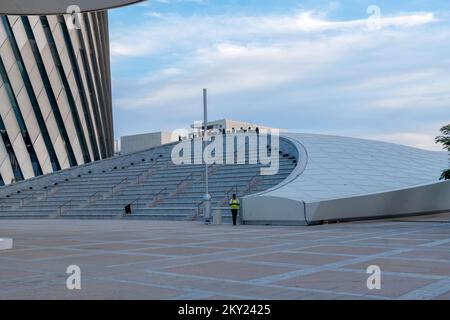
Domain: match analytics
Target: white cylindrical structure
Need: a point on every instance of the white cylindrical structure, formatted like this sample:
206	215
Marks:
6	243
207	196
217	217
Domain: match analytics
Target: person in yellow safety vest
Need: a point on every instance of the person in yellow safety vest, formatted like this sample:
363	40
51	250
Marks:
234	206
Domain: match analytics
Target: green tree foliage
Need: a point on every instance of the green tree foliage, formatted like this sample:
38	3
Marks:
444	139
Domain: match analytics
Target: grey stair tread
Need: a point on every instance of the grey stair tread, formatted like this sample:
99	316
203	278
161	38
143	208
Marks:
164	190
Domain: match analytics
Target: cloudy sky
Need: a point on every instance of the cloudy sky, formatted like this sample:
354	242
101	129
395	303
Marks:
310	66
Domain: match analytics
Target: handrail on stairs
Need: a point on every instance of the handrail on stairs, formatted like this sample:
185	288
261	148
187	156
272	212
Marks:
155	197
65	204
113	188
93	197
22	201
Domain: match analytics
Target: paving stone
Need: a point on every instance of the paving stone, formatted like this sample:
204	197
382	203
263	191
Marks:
188	260
356	283
229	270
297	258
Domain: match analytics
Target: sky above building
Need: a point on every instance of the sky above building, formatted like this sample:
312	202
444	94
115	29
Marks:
368	69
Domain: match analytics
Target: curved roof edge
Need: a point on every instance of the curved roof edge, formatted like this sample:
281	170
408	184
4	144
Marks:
49	7
342	178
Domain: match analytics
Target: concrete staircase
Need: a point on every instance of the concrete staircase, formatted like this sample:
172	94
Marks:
148	182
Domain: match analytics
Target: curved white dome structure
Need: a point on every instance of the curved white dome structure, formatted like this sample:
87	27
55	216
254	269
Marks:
47	7
340	178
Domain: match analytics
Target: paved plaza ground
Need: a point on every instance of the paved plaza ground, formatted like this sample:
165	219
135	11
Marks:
188	260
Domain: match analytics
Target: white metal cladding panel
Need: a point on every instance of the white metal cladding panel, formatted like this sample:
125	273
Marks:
24	102
13	19
73	33
36	81
5	106
65	61
70	126
39	35
90	65
47	59
74	88
33	20
32	126
19	32
28	58
94	40
89	102
52	127
59	39
52	21
23	157
90	71
64	108
84	126
61	153
44	104
47	166
15	79
7	54
3	35
65	164
71	132
67	66
5	164
55	82
42	154
56	138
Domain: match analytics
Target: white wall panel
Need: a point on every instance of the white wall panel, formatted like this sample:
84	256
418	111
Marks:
52	21
40	37
4	103
60	151
32	126
71	132
36	81
24	102
3	35
15	78
41	152
28	57
7	54
33	20
57	141
44	104
19	33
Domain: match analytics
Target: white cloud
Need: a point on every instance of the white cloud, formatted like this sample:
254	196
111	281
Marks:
178	31
300	69
413	139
